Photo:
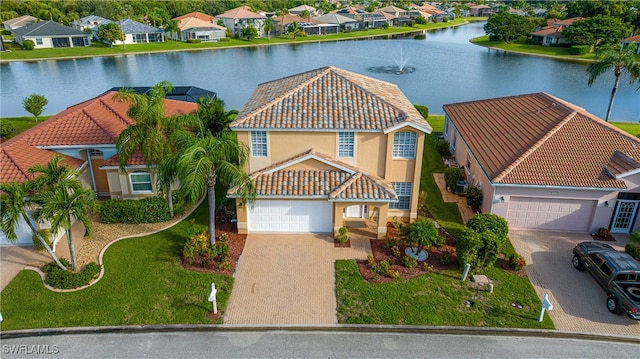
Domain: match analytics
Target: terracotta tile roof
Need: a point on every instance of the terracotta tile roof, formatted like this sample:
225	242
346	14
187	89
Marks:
134	160
549	31
288	19
538	139
196	15
240	13
328	98
635	38
343	183
98	121
621	165
192	22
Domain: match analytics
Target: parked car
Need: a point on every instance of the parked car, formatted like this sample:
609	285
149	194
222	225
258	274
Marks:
617	273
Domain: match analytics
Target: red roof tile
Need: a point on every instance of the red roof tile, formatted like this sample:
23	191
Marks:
538	139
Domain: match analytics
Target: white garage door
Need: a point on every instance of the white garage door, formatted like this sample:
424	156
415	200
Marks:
291	216
550	214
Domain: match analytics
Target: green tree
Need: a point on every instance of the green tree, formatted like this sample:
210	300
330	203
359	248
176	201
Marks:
597	31
15	204
213	115
250	32
305	14
123	12
209	160
110	32
268	27
421	233
294	29
34	104
507	27
28	45
173	29
619	59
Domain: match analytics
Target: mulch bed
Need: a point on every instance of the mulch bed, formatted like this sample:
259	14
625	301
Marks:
337	244
598	238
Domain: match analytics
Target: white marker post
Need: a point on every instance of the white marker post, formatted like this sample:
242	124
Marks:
212	298
546	304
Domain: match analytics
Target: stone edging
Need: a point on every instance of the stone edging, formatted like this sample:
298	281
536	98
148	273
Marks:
100	262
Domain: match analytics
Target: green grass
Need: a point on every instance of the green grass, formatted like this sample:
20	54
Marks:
563	52
143	284
100	49
632	128
436	299
22	124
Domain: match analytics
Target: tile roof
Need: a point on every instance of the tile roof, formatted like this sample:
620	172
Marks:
97	121
192	23
335	19
20	21
197	15
621	165
549	31
635	38
538	139
328	98
240	13
133	27
342	183
136	159
47	28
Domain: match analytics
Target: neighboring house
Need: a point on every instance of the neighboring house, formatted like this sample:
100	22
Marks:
138	33
21	21
197	15
552	33
630	40
298	9
344	23
49	34
312	26
480	10
91	22
546	164
196	28
237	19
327	146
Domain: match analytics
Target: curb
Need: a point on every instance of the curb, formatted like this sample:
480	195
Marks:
443	330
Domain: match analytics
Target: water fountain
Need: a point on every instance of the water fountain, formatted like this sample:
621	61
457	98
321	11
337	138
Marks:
400	67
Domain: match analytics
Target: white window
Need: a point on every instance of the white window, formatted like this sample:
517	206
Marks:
38	41
259	143
141	182
345	144
403	190
404	145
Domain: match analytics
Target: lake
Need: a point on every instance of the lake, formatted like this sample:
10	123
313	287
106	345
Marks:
448	69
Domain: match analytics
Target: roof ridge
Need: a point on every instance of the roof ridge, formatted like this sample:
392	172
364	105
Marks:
106	104
98	123
381	182
16	163
343	186
535	146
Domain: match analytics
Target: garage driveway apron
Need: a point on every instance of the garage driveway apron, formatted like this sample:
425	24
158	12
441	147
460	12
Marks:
578	301
288	279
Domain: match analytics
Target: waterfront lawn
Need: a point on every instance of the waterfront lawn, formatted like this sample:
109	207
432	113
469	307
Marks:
22	124
101	49
437	299
563	52
143	284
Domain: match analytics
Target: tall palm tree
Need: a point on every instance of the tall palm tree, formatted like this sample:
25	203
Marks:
52	175
295	29
172	28
61	206
209	160
619	58
15	203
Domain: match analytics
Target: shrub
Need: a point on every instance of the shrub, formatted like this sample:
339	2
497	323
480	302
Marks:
474	196
194	41
421	20
224	39
395	251
397	223
28	45
516	262
343	230
635	237
390	243
223	237
445	260
225	265
490	222
46	235
381	267
424	110
65	279
146	210
6	130
342	238
409	262
409	24
370	260
580	49
443	148
633	250
451	177
603	232
427	267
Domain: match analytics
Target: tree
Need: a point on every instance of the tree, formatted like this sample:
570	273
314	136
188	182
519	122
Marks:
250	32
481	240
597	31
213	115
294	29
110	32
507	27
34	104
15	203
209	160
172	28
305	14
620	59
421	232
123	12
268	27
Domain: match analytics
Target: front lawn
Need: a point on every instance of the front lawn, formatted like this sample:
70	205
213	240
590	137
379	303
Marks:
144	284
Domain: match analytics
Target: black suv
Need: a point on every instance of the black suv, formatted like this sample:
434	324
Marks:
617	273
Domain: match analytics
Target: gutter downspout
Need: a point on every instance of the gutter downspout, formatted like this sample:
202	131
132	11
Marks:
93	179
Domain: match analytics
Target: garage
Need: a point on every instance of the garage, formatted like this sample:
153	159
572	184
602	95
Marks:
550	214
290	216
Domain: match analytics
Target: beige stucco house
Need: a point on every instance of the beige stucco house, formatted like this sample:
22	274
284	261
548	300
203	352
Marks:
545	164
327	146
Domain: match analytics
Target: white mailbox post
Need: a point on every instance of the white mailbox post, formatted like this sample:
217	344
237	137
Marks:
546	304
212	298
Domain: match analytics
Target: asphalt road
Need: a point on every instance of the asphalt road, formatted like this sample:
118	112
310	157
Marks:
310	344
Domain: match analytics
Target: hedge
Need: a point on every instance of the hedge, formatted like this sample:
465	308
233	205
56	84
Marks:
146	210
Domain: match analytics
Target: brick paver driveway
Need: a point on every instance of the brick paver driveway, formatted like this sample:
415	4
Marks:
579	303
288	279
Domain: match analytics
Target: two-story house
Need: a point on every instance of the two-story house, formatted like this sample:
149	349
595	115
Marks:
239	18
328	145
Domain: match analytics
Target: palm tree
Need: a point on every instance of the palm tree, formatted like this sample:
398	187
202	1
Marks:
618	58
172	28
268	27
61	206
209	160
15	203
52	175
305	14
213	115
294	29
421	232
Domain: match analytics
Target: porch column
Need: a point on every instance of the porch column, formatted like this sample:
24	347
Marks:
383	213
338	219
241	215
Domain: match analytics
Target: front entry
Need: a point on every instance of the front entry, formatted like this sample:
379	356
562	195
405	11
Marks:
356	212
624	216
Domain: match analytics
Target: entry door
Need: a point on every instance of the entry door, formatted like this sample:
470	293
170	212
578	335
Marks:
623	218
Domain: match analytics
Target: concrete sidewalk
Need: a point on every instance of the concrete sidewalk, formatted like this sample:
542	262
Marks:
289	279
